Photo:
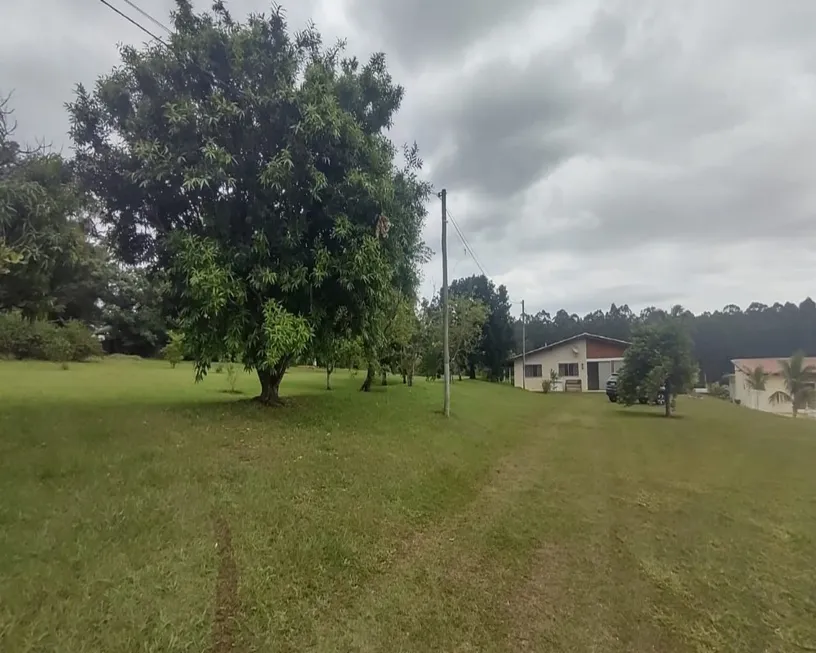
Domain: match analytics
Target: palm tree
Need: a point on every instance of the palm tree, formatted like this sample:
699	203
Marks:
756	381
799	379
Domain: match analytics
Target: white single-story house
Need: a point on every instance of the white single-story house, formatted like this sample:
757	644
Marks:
742	392
583	362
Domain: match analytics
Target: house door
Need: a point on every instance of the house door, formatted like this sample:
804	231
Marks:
593	378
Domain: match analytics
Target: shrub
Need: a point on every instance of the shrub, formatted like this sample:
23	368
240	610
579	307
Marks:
84	344
719	391
173	351
219	368
58	348
39	339
546	385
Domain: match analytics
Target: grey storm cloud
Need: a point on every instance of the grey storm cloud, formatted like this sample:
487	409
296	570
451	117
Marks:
422	32
584	144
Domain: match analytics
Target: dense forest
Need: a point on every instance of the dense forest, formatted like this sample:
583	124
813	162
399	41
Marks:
759	331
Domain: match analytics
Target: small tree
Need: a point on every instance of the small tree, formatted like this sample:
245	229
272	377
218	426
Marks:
232	377
467	318
660	356
173	351
756	382
404	341
799	381
334	351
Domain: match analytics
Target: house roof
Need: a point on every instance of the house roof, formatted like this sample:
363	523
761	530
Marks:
770	365
580	336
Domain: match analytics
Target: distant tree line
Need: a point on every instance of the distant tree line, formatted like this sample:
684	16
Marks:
759	331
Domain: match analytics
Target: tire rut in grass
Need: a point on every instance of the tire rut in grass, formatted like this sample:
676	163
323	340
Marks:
448	552
226	590
512	475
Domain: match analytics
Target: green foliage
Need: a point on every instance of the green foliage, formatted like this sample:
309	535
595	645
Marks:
496	340
173	351
57	348
466	323
799	381
660	356
49	267
466	320
232	377
132	312
719	391
82	343
546	385
43	340
253	168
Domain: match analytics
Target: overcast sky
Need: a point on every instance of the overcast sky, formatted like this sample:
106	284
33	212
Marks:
594	151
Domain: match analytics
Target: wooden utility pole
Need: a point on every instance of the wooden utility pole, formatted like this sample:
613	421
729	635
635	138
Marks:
443	194
523	347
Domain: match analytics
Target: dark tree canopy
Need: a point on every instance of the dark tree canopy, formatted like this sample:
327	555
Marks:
49	266
133	313
496	341
253	167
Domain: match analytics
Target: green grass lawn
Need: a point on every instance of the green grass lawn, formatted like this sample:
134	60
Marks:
142	512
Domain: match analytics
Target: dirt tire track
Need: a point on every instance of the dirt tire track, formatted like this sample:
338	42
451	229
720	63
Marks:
226	590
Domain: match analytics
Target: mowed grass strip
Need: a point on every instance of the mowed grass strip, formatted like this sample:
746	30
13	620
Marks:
362	522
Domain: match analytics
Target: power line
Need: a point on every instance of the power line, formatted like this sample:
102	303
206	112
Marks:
467	245
133	22
156	22
212	77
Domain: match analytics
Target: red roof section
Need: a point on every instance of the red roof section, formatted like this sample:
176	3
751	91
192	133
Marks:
580	336
770	365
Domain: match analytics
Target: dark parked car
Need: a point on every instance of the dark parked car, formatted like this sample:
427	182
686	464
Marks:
612	387
612	392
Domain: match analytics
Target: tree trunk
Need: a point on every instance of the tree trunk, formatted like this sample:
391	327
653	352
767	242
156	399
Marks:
404	378
471	372
368	380
384	378
270	385
328	377
410	379
667	396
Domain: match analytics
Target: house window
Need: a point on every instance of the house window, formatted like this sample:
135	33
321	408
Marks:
533	371
567	369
